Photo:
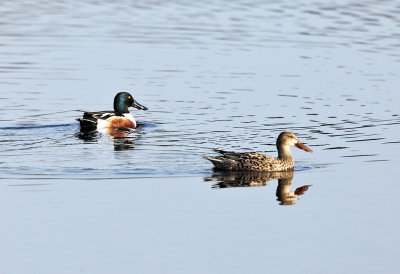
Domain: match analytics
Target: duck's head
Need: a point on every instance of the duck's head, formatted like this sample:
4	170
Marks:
123	100
287	139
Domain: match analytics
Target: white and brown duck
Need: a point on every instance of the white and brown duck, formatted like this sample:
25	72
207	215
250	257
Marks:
256	161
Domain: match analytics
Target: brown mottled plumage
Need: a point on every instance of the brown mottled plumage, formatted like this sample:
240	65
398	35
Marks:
255	161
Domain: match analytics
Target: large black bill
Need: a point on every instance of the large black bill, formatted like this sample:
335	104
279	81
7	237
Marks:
138	106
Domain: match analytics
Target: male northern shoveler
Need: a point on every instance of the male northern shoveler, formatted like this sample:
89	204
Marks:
255	161
119	118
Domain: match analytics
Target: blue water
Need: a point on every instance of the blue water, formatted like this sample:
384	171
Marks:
215	75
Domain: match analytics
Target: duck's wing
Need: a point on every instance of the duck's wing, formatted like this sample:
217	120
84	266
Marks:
260	162
99	115
228	154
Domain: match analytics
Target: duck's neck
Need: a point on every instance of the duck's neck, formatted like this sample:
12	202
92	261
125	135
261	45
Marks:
284	152
120	107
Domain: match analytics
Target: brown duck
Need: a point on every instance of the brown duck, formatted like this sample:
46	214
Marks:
255	161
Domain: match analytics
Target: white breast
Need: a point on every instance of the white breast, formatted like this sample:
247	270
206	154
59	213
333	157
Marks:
130	117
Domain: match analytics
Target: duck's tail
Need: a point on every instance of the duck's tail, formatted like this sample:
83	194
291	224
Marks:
87	124
220	162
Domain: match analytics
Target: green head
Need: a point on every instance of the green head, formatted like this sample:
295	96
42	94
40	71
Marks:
123	100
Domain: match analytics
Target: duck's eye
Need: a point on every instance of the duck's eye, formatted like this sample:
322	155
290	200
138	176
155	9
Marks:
129	97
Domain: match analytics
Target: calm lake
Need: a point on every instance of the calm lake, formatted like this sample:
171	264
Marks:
225	75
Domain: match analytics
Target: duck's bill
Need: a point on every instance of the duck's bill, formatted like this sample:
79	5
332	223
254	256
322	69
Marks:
138	106
303	147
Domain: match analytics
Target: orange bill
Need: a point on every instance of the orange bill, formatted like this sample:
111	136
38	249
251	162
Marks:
303	147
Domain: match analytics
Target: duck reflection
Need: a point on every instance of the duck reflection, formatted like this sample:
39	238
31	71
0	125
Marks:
123	138
251	179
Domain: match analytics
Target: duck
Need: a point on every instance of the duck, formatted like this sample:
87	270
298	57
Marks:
256	161
119	118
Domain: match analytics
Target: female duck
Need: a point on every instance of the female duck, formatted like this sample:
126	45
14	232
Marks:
118	118
255	161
